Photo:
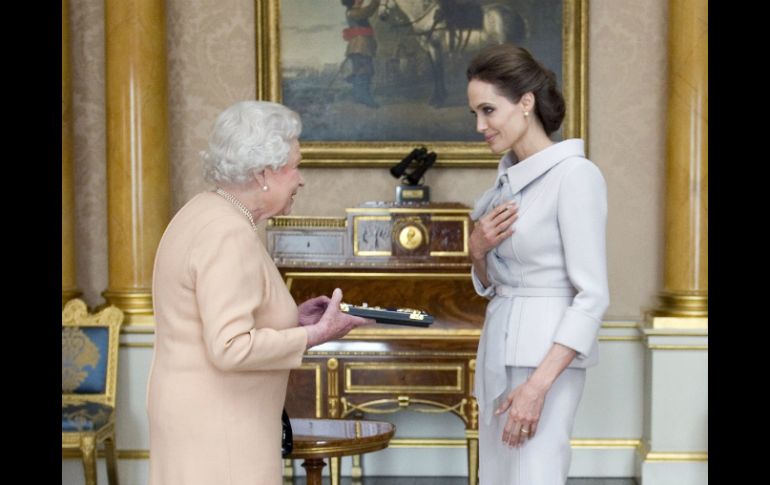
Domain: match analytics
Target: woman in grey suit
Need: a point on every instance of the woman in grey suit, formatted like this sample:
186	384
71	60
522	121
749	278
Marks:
538	252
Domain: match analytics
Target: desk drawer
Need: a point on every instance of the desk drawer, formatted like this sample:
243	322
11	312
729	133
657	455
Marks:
404	378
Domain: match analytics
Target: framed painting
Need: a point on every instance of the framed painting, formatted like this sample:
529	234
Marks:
373	79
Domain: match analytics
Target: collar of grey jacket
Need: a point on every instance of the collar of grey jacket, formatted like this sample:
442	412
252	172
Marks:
524	172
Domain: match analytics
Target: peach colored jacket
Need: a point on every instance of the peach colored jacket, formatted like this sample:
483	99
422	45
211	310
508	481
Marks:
226	337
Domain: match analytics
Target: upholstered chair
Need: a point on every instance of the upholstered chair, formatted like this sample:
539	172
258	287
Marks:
89	371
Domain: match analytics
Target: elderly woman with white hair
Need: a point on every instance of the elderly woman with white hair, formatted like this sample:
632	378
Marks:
227	330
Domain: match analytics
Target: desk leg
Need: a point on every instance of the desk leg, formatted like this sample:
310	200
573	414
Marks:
313	467
334	470
473	457
288	469
356	471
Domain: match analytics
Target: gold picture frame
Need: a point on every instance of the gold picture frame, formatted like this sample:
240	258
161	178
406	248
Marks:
335	154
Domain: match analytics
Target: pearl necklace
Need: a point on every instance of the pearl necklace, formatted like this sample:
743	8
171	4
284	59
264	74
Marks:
238	204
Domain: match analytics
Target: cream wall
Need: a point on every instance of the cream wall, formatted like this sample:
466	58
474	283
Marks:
211	62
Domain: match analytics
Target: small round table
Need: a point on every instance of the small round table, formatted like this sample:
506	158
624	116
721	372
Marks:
316	439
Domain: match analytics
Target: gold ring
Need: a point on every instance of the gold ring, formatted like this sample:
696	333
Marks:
525	431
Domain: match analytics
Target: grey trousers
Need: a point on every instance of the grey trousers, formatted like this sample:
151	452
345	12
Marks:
544	459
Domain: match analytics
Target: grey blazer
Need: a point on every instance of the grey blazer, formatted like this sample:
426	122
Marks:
548	281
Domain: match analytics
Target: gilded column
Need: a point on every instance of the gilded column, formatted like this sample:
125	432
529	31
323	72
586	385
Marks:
674	444
68	280
684	299
137	151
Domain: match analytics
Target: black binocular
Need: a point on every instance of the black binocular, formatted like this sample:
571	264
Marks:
419	160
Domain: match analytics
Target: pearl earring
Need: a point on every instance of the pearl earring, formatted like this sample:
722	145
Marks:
264	188
526	113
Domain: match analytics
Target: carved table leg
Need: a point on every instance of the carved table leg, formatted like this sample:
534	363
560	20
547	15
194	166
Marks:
313	467
473	456
356	471
334	470
288	471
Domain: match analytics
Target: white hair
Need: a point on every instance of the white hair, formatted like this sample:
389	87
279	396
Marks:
247	136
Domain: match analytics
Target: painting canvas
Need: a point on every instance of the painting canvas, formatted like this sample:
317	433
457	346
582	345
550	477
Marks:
371	79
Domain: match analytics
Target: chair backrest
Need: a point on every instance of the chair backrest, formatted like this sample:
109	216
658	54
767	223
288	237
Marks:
89	353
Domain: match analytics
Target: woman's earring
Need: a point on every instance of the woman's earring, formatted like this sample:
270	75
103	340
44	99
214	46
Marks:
526	113
264	188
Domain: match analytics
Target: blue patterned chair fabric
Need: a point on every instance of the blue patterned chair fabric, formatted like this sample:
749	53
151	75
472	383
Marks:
89	359
84	353
87	416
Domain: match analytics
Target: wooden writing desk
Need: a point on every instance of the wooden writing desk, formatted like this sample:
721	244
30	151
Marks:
391	256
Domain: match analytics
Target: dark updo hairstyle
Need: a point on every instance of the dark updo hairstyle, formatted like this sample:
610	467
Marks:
348	3
513	71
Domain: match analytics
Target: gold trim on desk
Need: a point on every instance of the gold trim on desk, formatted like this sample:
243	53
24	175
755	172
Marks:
351	388
407	210
305	222
385	353
356	252
361	333
462	219
402	403
348	275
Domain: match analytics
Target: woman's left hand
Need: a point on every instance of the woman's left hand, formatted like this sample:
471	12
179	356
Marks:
523	406
310	311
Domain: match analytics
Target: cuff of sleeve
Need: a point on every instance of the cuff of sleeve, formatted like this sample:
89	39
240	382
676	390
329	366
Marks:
298	338
577	331
486	292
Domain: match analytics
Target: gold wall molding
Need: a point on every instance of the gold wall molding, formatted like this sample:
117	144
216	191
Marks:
677	347
138	187
648	456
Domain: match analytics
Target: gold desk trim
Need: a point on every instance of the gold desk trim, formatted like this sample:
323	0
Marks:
350	388
462	219
350	275
374	353
406	210
402	403
305	222
356	252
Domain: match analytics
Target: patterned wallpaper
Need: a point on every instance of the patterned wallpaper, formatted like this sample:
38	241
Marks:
211	62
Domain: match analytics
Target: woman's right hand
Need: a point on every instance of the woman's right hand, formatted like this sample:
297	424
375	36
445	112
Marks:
333	324
491	229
